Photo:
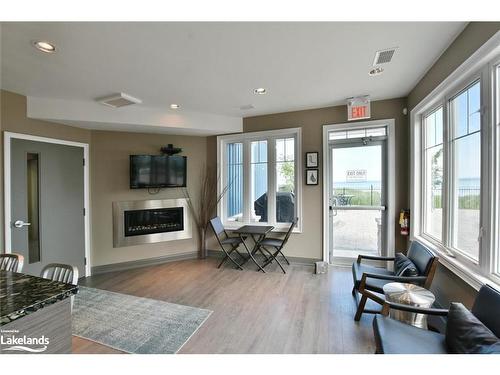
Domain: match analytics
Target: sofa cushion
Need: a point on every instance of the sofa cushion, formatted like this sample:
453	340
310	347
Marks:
404	266
371	284
395	337
465	334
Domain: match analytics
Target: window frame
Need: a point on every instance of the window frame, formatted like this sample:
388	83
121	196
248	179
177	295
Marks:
480	66
246	138
495	167
465	85
423	162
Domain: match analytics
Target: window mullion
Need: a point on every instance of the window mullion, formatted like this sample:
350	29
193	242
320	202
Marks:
446	196
486	245
271	181
246	181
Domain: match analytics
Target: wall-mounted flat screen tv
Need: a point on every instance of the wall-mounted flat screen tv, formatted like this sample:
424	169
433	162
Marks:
157	171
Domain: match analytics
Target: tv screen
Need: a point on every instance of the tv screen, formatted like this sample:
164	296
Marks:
157	171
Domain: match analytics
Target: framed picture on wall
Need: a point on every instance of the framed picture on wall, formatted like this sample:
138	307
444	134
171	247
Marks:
312	177
312	160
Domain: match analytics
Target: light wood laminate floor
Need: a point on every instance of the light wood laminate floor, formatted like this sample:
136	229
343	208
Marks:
252	312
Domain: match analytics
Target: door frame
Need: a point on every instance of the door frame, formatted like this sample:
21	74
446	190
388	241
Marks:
390	180
8	137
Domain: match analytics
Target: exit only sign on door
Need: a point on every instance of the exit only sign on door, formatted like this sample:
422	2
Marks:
358	108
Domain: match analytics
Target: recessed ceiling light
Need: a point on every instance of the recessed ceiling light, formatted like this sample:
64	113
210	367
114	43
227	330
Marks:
44	46
260	91
175	106
376	71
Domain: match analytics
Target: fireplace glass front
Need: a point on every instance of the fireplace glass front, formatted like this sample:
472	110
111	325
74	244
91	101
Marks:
150	221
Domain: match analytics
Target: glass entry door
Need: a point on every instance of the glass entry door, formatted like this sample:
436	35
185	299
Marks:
357	196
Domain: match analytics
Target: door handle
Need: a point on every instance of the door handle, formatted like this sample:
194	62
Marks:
20	224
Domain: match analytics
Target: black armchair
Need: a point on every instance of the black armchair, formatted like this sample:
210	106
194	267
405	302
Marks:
395	337
369	280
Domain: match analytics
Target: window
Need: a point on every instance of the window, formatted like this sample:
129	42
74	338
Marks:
261	172
496	122
234	207
465	126
258	175
456	168
458	207
358	133
285	180
433	174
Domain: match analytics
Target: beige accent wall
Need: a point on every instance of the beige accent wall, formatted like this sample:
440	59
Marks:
109	171
309	243
447	286
110	182
1	178
13	119
465	44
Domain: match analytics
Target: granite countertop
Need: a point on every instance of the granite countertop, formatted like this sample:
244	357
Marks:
22	294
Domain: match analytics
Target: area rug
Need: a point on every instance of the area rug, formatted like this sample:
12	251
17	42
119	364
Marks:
134	324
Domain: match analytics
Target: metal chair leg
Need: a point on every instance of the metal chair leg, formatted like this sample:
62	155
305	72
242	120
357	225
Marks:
250	253
284	257
228	256
274	257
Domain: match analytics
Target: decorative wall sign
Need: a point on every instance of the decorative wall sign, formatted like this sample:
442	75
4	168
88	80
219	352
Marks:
312	177
312	160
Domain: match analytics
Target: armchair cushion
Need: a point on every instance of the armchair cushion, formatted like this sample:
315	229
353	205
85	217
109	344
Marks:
465	334
404	266
371	284
395	337
421	256
487	307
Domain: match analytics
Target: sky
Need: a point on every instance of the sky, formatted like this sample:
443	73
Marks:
367	157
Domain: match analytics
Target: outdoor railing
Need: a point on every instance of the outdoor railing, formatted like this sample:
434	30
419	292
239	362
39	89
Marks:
348	196
468	198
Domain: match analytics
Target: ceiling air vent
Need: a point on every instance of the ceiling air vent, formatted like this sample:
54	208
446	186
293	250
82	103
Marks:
119	100
383	56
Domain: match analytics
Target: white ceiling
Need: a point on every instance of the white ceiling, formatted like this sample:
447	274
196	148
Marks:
214	67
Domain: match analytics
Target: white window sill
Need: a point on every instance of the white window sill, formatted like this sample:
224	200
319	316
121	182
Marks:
278	228
469	276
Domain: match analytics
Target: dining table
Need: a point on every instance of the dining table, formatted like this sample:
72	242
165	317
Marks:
258	233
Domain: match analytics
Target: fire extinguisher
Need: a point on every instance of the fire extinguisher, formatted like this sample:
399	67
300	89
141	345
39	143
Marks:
404	222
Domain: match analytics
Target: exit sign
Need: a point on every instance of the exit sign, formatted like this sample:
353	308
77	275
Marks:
358	108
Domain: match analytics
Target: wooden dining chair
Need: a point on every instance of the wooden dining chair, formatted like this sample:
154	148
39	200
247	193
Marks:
63	273
278	244
11	262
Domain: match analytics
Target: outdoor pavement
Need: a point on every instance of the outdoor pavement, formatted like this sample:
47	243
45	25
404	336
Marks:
357	231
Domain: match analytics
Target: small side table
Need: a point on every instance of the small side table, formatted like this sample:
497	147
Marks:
412	295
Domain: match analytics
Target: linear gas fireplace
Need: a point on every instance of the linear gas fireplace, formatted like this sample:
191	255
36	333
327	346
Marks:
143	222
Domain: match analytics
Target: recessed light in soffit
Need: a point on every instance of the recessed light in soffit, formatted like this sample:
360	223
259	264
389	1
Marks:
44	46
